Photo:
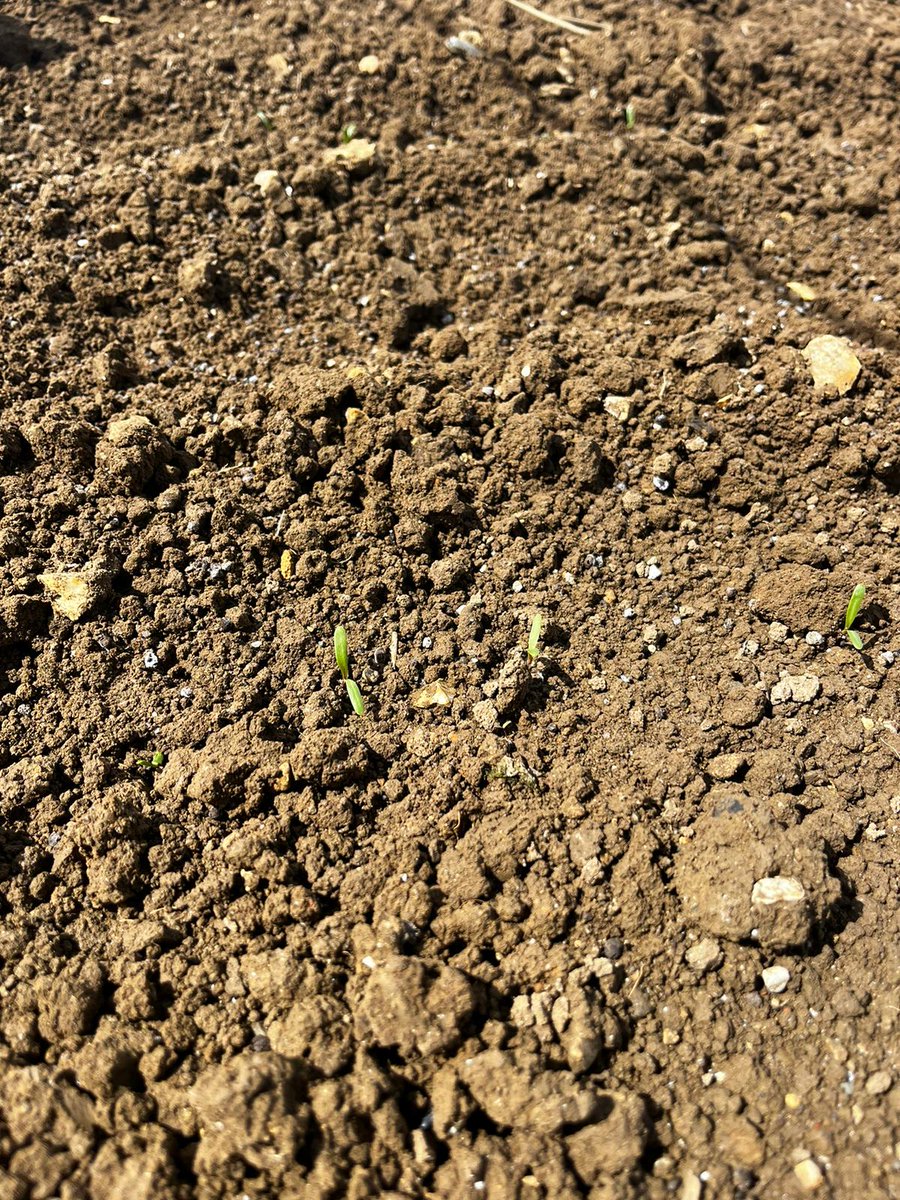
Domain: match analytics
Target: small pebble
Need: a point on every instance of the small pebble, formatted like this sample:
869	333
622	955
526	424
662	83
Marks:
802	689
809	1174
778	889
878	1083
618	407
814	638
151	660
661	485
654	572
778	632
776	979
612	948
887	657
704	956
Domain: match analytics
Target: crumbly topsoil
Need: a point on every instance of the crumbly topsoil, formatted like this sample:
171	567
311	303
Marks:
619	923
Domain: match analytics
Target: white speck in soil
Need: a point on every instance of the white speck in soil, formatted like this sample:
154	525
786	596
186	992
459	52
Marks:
887	657
661	485
151	660
653	572
427	643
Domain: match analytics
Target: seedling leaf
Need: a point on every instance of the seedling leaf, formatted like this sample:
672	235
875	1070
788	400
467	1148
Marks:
340	652
854	639
355	696
534	638
856	603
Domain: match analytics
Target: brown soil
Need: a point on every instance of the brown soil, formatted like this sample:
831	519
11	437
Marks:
511	358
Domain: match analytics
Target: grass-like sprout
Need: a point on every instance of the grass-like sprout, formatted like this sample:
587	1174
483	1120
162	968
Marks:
534	639
342	657
856	602
151	762
630	116
347	134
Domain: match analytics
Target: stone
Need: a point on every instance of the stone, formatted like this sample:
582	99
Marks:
618	407
878	1083
775	979
705	955
726	766
75	593
809	1175
802	689
833	365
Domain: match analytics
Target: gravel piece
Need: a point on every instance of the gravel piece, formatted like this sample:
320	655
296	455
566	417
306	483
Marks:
706	955
809	1175
776	979
878	1083
799	688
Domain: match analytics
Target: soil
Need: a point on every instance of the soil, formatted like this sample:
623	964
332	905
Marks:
618	922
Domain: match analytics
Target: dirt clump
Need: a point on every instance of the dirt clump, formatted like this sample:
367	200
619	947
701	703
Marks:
519	322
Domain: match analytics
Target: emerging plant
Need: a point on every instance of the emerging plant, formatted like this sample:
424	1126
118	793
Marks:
264	120
630	116
534	639
348	133
856	602
151	762
342	657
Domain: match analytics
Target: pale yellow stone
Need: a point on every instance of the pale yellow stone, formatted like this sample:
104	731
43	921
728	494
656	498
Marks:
809	1175
802	290
832	363
268	182
357	150
74	593
433	695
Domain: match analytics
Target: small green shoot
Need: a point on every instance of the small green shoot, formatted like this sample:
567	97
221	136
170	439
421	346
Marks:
348	133
342	657
856	602
355	696
265	121
151	762
534	639
340	651
630	116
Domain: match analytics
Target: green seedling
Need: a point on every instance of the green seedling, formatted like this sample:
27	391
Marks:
856	602
340	651
265	121
534	639
348	133
151	762
355	696
342	657
630	116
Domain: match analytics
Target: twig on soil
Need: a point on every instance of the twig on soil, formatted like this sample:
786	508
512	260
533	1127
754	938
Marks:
583	27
